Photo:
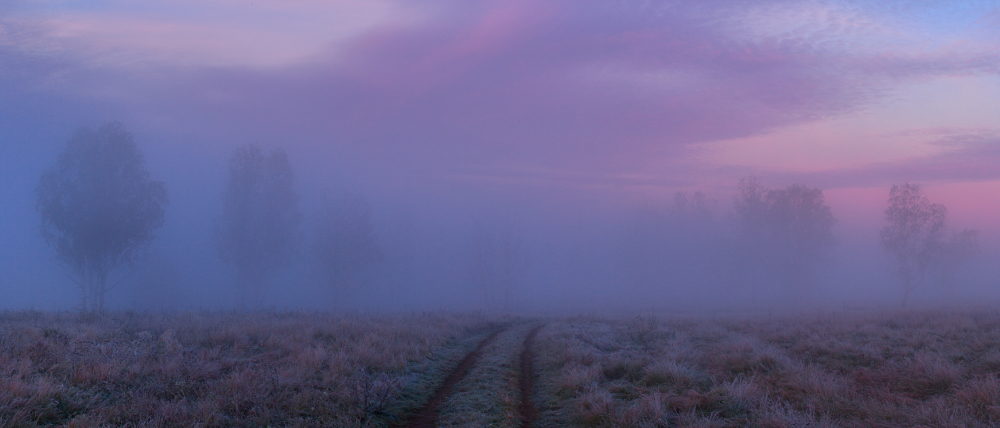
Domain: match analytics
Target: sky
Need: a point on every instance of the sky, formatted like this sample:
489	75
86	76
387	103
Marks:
572	111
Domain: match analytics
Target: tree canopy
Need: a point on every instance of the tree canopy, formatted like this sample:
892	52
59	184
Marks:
784	231
99	207
259	228
914	238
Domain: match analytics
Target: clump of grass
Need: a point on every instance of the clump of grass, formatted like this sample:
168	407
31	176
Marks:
982	397
574	378
743	356
671	375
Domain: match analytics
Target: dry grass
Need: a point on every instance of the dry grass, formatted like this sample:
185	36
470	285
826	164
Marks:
912	369
933	369
218	369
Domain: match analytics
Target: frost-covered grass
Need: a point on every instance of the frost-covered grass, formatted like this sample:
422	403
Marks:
489	395
907	369
224	369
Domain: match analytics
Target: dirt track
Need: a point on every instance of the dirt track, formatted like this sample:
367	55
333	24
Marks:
528	412
427	417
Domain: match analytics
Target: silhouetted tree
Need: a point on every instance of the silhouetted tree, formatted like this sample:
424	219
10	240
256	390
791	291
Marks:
345	244
786	231
99	208
499	261
914	238
259	228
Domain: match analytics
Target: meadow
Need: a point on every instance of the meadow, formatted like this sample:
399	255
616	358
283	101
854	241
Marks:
223	369
900	369
932	368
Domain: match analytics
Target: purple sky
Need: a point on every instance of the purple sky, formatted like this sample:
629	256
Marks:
622	95
602	99
543	106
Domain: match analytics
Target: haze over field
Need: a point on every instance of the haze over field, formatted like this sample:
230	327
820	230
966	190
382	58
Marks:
518	155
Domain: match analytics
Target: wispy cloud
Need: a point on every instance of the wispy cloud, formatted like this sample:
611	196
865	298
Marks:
588	88
966	155
185	34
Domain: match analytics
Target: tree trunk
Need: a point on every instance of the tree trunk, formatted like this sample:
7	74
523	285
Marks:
906	276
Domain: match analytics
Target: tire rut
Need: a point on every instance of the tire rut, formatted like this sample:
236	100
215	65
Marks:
528	411
427	417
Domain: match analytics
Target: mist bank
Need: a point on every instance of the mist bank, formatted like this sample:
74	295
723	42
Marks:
466	244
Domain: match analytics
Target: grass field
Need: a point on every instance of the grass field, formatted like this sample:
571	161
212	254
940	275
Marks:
905	369
223	369
932	369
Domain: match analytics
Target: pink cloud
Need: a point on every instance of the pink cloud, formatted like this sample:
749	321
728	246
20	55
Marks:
194	34
577	88
972	157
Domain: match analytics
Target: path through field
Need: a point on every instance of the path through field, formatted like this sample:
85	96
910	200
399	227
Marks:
427	417
528	412
918	368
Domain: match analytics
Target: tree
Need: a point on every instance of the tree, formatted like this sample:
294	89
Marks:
784	231
914	238
99	208
259	228
345	243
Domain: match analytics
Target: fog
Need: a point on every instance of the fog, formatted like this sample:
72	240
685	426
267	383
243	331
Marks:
519	157
579	253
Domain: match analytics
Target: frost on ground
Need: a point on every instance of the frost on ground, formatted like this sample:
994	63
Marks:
223	369
932	369
902	370
489	395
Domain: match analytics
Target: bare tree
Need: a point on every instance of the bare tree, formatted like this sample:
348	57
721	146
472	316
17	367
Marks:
786	232
259	228
914	238
345	244
99	208
803	225
751	206
499	262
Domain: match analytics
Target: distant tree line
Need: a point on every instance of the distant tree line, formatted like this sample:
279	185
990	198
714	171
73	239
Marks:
784	233
259	231
99	210
779	239
773	239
